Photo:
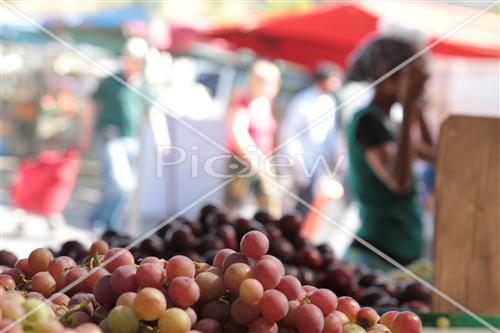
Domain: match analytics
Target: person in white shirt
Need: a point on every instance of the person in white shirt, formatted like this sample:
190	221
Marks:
315	147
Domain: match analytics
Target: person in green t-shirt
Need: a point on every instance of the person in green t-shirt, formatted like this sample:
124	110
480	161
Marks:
113	118
381	153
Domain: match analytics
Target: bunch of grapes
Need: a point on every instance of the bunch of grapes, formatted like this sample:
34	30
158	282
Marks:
200	239
29	301
246	291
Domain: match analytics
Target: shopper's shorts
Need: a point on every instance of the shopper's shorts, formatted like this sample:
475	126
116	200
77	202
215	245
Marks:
242	184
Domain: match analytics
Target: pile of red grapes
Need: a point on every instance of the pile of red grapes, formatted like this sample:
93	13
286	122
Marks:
111	291
200	239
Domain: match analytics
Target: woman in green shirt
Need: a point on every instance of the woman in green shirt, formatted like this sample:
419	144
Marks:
381	154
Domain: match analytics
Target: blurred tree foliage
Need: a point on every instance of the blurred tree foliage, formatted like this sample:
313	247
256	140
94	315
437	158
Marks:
287	6
226	10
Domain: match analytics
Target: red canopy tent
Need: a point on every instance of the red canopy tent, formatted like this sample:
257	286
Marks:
332	32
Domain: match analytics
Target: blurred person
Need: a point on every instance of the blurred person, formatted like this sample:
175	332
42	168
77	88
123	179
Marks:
320	140
114	115
185	96
381	153
354	94
251	129
25	122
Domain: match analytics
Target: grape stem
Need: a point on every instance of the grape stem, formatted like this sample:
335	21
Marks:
147	328
58	309
225	298
23	278
93	260
82	306
164	262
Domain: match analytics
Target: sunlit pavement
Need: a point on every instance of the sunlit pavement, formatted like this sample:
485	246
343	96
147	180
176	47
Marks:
21	233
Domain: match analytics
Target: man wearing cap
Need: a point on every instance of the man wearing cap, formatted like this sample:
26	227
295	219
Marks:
113	117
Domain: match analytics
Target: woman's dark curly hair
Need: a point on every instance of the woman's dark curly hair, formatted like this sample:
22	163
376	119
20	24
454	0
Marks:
377	57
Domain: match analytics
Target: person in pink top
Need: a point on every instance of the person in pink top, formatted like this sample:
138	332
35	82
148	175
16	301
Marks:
251	128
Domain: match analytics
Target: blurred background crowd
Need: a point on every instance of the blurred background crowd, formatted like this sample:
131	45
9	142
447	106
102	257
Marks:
194	80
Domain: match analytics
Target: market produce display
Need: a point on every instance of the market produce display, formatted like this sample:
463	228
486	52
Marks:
312	264
242	292
243	288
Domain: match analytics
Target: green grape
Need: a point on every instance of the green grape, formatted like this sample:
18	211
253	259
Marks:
174	320
37	311
122	319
